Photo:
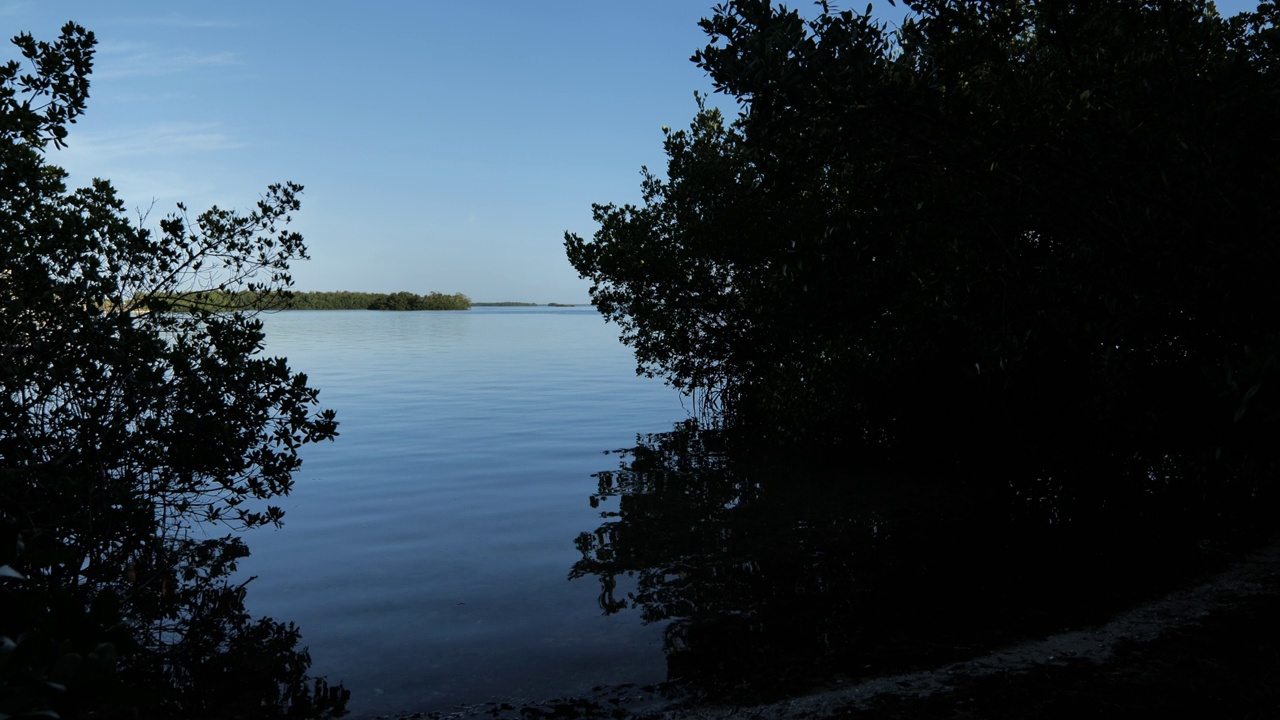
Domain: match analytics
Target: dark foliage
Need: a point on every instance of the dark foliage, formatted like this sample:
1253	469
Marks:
409	301
129	438
999	234
983	310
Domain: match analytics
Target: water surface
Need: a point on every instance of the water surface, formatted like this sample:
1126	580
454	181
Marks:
425	553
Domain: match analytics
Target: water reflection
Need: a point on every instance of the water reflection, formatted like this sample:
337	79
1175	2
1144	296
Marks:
774	573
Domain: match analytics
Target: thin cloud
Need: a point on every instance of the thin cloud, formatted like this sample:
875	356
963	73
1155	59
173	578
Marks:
122	60
174	20
14	7
166	139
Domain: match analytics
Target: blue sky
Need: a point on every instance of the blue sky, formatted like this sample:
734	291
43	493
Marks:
444	146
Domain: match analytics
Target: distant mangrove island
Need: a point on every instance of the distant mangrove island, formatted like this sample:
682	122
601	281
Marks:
326	300
346	300
217	301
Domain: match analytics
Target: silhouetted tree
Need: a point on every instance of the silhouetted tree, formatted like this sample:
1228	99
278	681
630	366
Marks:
1008	230
129	436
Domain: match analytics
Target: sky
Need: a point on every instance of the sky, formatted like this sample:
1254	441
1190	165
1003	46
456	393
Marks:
445	145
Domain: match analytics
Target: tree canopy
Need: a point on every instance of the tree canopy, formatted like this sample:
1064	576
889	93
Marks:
129	438
1005	229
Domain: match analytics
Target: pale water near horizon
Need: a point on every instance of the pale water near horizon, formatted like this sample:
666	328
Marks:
425	553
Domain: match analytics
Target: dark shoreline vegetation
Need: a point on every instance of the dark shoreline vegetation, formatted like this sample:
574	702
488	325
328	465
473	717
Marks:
980	320
967	248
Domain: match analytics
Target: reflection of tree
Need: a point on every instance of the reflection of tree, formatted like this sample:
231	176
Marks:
758	576
774	571
678	491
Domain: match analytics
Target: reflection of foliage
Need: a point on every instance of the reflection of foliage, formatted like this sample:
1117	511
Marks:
669	489
1003	229
774	571
126	434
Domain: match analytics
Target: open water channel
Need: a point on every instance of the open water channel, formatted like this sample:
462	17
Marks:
426	552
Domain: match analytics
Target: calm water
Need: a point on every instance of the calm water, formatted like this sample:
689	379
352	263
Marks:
425	554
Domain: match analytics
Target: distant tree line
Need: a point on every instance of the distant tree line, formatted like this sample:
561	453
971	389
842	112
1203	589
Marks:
340	300
403	301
